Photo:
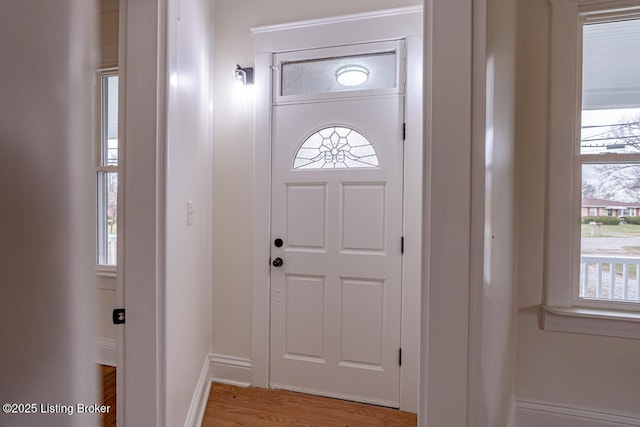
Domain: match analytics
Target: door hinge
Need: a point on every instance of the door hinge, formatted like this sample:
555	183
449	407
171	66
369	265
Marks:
118	316
400	357
404	131
402	245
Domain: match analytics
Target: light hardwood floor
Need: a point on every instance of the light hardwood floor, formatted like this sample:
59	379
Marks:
108	374
257	407
230	406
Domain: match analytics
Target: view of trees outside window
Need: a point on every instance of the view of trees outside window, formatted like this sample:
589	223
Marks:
610	235
609	159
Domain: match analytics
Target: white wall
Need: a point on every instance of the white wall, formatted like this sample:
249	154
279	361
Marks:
447	208
188	178
106	303
591	371
233	154
46	227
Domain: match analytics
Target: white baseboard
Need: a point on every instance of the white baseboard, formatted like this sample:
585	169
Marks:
511	413
106	351
231	370
534	413
200	396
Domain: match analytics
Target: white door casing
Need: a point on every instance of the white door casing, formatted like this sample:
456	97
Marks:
393	24
336	300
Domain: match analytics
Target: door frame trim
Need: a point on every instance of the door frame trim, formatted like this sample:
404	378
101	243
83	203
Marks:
402	23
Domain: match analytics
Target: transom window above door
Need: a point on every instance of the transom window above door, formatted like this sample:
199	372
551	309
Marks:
337	72
336	147
357	72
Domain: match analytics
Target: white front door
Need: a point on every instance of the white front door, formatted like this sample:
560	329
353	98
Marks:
336	248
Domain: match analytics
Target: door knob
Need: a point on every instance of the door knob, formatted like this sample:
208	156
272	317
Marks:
277	262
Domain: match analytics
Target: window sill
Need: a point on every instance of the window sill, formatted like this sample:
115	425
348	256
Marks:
106	277
106	271
591	321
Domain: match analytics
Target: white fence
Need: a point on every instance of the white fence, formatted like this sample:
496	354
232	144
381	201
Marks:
610	278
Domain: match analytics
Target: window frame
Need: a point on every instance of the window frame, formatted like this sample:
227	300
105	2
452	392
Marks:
102	270
357	49
563	310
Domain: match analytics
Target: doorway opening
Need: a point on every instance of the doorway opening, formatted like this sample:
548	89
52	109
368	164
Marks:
336	310
336	222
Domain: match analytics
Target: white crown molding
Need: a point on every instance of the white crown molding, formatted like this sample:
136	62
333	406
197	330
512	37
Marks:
339	19
389	24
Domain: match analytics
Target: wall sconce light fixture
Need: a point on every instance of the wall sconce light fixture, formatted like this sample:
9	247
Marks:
244	75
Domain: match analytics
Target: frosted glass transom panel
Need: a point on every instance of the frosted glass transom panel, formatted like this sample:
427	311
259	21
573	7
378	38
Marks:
336	147
358	72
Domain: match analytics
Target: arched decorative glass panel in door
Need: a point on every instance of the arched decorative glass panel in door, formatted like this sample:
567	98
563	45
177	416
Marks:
336	147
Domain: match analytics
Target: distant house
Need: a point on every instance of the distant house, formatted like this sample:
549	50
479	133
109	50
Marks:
603	207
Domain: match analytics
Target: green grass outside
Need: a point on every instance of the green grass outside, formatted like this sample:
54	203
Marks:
620	230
